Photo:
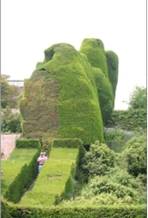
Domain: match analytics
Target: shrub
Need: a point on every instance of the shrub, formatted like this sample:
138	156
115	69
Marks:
24	179
27	143
116	138
129	120
99	160
67	142
99	185
122	211
135	154
10	121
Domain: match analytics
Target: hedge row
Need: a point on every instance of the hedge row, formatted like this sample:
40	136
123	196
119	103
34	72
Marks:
133	119
136	211
27	143
23	180
67	142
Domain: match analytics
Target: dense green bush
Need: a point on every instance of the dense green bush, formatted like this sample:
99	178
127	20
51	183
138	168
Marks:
135	155
112	62
133	211
10	121
67	142
23	180
99	160
133	119
99	185
27	143
116	138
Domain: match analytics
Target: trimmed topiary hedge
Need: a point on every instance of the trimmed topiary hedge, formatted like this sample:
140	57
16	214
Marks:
136	211
23	180
67	142
27	143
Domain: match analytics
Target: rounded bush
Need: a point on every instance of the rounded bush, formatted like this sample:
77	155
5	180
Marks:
99	160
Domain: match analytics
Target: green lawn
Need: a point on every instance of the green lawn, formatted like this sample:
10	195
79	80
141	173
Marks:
10	168
51	181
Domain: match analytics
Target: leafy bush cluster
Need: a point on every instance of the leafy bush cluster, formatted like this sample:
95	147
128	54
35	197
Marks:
10	121
135	155
121	185
10	94
99	160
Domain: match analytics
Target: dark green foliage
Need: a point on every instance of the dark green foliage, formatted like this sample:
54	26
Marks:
129	120
78	212
67	142
10	121
23	180
116	138
99	160
105	94
138	99
27	143
5	210
135	155
80	173
112	62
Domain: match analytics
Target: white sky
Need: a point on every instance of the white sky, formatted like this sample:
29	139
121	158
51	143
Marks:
30	26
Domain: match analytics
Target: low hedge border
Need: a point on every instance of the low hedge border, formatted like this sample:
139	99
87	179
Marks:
67	142
23	180
135	211
27	143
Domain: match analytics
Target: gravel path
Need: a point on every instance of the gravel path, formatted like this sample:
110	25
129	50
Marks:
8	144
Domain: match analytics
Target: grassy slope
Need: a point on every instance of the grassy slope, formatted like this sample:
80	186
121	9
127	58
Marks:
12	166
51	181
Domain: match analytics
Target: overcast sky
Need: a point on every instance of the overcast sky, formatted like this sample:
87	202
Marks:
30	26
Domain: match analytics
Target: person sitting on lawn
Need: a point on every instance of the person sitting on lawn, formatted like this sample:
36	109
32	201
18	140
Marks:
41	160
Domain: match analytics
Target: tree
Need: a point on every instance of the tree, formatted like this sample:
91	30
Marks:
9	93
138	99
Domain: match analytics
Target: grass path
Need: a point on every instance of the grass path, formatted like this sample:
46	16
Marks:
51	181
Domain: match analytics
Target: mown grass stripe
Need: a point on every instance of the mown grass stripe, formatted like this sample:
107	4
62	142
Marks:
52	179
